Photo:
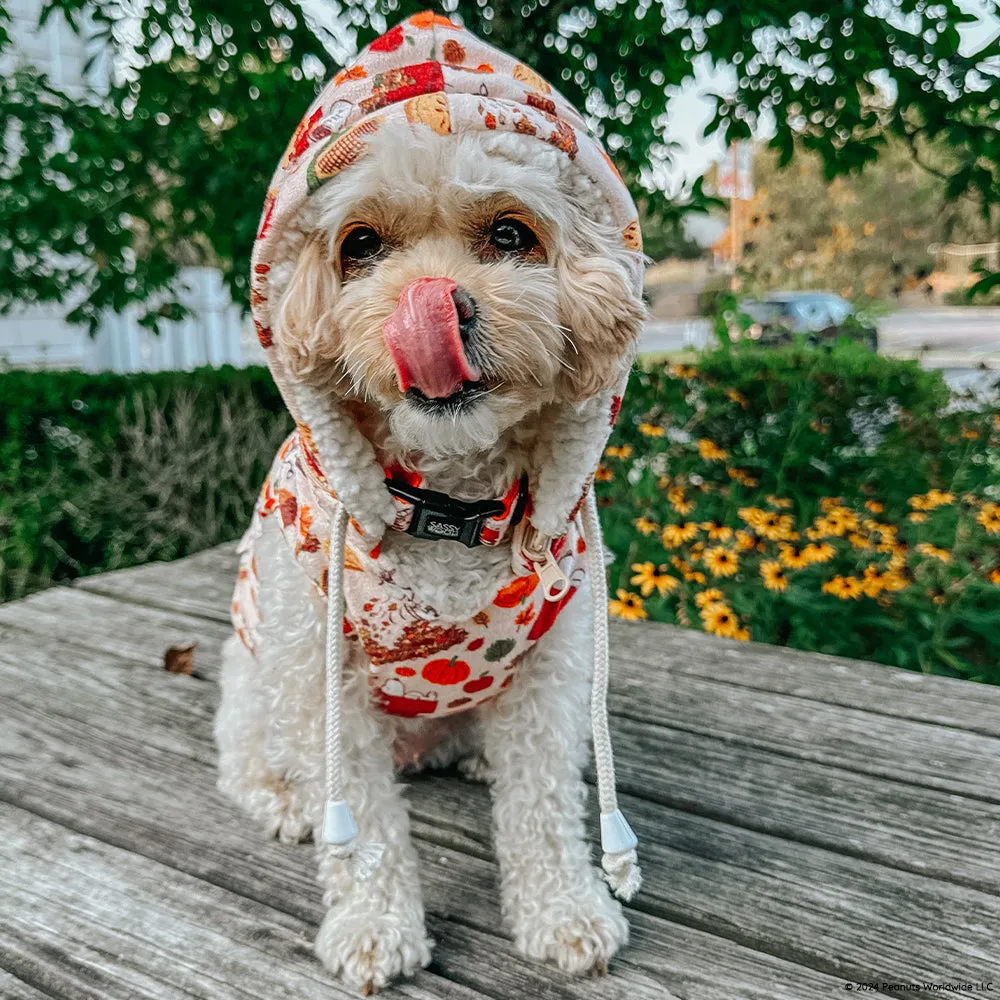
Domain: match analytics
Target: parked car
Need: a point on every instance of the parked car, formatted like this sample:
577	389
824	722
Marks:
819	317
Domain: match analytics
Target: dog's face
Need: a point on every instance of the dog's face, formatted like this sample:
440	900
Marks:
456	284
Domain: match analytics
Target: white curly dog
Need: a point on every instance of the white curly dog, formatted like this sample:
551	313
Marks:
458	306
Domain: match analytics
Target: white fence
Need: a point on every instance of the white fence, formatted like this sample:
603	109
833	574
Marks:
213	334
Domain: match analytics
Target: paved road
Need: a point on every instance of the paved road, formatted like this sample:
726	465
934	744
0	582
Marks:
973	332
957	341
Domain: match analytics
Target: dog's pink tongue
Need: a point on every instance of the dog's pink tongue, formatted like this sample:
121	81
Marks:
423	339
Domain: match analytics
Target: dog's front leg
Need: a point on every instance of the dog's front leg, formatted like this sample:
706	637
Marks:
536	742
374	930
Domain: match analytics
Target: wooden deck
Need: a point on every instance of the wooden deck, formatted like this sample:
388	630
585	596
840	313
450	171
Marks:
804	821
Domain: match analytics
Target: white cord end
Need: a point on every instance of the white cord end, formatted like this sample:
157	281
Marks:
339	826
622	873
616	835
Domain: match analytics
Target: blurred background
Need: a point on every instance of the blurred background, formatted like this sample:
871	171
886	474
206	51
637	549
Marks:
809	454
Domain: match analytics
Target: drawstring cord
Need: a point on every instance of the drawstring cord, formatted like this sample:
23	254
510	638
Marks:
340	829
618	843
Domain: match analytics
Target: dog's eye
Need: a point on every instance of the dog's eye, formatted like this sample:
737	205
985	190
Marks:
512	236
360	244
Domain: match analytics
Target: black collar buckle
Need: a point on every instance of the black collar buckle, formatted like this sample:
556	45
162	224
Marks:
437	515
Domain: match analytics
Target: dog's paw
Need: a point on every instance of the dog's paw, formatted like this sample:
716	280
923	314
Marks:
580	936
368	950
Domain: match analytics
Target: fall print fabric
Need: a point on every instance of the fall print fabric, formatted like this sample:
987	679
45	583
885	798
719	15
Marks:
421	664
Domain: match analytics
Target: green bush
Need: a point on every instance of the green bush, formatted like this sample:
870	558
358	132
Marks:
99	472
829	500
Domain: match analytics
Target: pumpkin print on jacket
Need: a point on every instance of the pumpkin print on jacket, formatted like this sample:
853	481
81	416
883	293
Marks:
420	662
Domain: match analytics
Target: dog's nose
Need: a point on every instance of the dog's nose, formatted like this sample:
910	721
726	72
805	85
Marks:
465	306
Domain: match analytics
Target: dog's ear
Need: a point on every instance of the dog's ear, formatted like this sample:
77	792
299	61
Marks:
600	304
304	329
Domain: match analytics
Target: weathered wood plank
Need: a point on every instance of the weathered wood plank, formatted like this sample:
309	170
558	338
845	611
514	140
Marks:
162	804
200	585
917	829
72	617
893	749
203	585
87	918
12	988
837	914
833	680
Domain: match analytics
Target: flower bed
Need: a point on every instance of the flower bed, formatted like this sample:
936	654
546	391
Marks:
827	500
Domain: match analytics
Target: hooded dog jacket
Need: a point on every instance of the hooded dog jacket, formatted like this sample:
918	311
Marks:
433	75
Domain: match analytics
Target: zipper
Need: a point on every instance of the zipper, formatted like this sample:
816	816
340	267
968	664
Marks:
537	548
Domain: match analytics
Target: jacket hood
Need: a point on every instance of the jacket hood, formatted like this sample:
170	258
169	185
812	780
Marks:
432	74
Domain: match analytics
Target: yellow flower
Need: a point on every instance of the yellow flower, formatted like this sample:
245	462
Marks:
989	518
677	534
829	503
743	478
621	453
894	580
677	500
627	606
931	499
916	517
721	561
872	584
840	520
874	506
752	515
969	434
710	596
793	557
648	579
933	552
742	635
845	587
737	397
819	553
603	474
994	577
773	575
651	430
745	541
719	619
718	532
777	527
711	452
682	371
859	541
646	527
780	502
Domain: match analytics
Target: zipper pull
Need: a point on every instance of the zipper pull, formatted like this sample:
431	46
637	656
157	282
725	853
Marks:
537	549
554	581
